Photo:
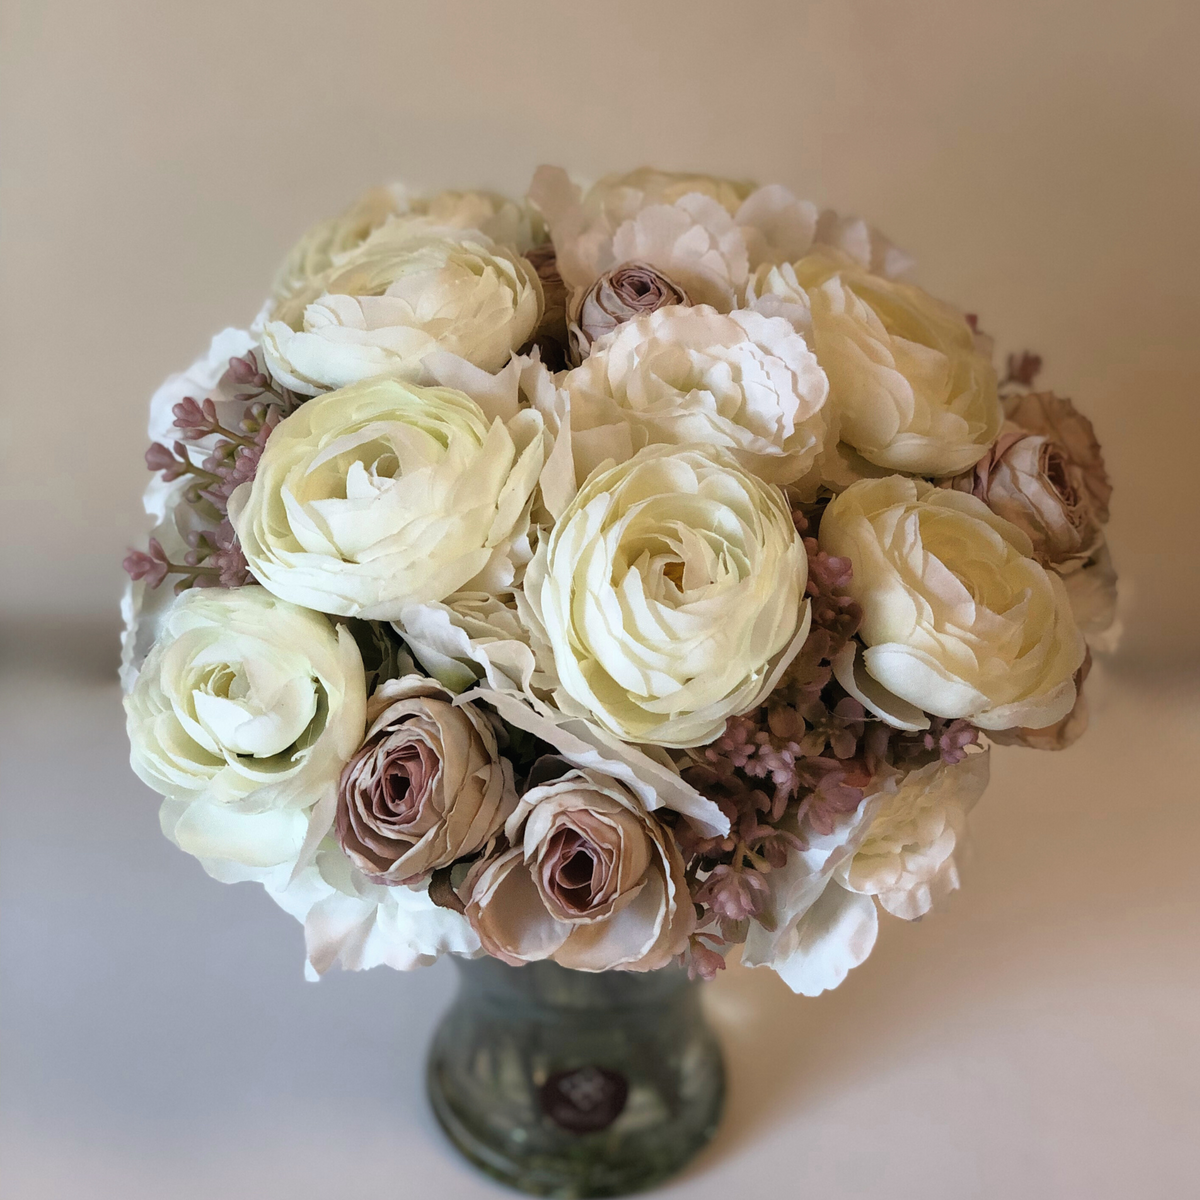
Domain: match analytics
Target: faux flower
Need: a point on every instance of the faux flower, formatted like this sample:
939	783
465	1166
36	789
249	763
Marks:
507	222
906	859
405	293
591	881
426	787
1029	480
1055	418
626	292
670	595
958	618
912	391
745	383
242	718
326	242
386	494
356	924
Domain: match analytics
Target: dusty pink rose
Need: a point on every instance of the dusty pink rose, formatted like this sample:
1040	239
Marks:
1031	480
590	880
426	787
1056	418
629	291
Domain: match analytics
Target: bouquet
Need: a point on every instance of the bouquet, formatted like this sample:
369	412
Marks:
613	577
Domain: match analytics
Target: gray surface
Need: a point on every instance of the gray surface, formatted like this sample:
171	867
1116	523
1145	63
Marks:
1038	1038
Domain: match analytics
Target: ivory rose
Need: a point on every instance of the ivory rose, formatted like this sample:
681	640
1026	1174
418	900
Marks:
745	383
386	494
409	290
958	618
591	881
668	596
426	787
242	716
912	391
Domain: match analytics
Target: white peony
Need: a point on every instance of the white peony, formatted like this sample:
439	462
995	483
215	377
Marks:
669	595
745	383
386	494
958	619
409	290
911	390
906	860
242	717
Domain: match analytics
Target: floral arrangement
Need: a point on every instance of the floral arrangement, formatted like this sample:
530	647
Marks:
612	577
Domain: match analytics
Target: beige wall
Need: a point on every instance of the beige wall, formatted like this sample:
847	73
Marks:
1041	160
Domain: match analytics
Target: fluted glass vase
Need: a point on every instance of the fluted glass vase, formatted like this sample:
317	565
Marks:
565	1083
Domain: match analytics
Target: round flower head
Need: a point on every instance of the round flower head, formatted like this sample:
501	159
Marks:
745	383
242	717
958	618
592	881
426	787
407	291
912	392
670	595
385	494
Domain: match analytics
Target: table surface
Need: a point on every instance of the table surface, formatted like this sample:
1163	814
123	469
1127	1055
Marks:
1036	1038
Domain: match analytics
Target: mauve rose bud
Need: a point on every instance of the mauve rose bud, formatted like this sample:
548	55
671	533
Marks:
631	290
1030	480
1057	418
426	787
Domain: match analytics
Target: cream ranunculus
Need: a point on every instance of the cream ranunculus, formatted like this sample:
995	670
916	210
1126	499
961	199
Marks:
906	860
669	595
386	494
592	881
409	290
744	383
911	389
325	242
242	717
958	618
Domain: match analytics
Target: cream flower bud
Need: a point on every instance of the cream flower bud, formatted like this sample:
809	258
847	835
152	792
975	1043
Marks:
668	596
426	787
911	390
744	383
406	292
242	717
958	618
592	881
384	495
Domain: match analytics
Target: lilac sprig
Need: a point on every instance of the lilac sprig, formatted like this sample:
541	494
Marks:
231	453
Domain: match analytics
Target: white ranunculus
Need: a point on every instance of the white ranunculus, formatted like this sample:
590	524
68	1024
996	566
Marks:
958	618
505	221
668	596
385	494
907	858
409	290
744	383
911	390
242	717
868	247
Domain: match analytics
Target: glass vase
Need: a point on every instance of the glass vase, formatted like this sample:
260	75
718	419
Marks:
566	1083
